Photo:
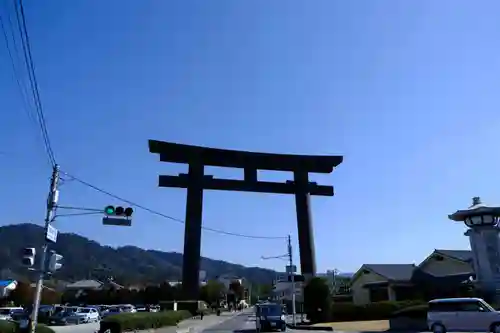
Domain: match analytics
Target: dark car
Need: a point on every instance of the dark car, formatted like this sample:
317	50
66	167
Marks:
60	318
269	317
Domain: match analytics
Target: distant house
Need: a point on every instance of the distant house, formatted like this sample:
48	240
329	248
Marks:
443	273
81	287
226	280
6	287
283	291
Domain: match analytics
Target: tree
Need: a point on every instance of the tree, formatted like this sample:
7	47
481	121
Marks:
212	292
22	295
237	290
317	300
50	296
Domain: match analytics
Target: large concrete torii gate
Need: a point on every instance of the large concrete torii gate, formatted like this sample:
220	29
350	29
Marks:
195	181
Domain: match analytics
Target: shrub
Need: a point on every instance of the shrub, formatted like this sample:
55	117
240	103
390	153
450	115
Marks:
7	327
413	312
371	311
143	320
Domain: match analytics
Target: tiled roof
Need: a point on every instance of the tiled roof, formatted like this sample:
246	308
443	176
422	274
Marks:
393	272
462	255
85	284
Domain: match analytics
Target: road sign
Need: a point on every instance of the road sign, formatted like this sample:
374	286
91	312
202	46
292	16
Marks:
116	221
291	269
51	234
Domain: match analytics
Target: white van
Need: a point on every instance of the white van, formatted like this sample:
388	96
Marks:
462	314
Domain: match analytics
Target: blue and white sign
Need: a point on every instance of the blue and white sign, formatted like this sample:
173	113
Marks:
51	234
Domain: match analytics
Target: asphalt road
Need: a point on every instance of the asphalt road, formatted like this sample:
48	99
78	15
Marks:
231	323
243	323
82	328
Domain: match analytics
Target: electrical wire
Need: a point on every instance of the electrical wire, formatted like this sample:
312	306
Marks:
152	211
12	52
28	59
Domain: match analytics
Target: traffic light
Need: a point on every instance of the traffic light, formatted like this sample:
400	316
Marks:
119	211
55	262
118	216
29	254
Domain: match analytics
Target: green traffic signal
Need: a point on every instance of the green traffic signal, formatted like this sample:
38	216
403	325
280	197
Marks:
110	210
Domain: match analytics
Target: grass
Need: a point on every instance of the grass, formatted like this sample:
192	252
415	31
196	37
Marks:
369	325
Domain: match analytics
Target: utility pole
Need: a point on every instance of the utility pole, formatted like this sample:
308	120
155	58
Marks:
49	217
290	269
292	278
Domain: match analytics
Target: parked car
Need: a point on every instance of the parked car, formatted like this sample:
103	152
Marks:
112	311
153	308
60	318
128	308
141	308
462	314
7	312
88	315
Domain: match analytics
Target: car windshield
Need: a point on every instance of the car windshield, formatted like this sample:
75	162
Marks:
271	311
85	311
5	312
64	313
114	310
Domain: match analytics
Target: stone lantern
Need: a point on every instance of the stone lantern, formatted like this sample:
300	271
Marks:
484	237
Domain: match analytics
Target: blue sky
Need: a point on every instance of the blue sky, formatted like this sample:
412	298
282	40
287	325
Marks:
406	91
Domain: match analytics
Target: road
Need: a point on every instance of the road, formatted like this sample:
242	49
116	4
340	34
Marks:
82	328
242	323
227	323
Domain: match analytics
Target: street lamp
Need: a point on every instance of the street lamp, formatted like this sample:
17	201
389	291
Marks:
483	232
477	215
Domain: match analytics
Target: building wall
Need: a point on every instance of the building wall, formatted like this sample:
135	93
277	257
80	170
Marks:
447	266
361	295
283	290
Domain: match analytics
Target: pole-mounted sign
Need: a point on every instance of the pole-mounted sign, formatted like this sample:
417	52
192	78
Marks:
51	234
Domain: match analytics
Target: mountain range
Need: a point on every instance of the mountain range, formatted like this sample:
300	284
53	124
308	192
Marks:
87	259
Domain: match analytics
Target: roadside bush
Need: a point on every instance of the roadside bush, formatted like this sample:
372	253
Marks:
143	320
371	311
413	312
7	327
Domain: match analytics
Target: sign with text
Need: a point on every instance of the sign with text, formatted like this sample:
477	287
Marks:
51	234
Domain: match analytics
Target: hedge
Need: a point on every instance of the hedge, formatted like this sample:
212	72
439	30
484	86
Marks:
371	311
413	312
12	327
142	320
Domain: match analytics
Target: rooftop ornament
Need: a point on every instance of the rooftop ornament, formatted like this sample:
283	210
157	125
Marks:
477	215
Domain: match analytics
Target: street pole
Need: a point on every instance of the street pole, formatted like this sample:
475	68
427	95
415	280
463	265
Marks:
51	207
292	278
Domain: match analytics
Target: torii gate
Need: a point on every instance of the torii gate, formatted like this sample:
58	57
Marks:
195	181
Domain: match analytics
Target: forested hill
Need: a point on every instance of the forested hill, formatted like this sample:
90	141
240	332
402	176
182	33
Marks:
84	259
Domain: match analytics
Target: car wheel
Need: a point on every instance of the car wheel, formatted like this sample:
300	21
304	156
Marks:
495	328
438	328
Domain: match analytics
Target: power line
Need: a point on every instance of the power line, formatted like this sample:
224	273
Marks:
152	211
28	59
12	52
